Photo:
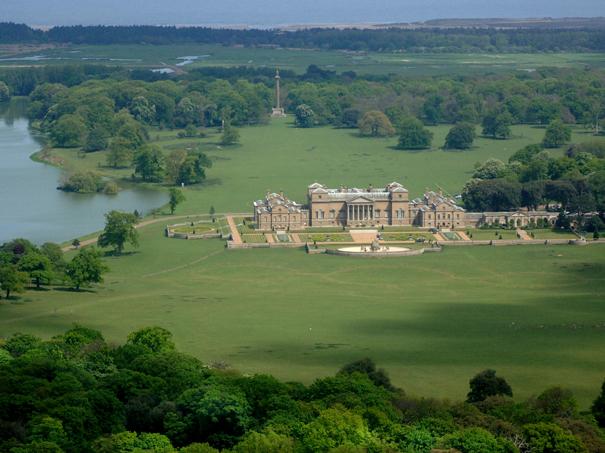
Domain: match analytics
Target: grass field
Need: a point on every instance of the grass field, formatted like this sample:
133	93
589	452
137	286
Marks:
297	59
534	313
280	157
492	234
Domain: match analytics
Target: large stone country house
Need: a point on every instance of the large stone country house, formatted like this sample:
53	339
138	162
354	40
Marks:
377	207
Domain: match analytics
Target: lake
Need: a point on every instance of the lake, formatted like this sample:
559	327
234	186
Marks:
30	205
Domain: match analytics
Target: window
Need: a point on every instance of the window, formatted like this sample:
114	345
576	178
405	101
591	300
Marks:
332	213
377	213
321	214
438	216
400	214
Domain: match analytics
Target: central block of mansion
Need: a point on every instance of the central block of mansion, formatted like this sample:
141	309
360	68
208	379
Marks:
353	207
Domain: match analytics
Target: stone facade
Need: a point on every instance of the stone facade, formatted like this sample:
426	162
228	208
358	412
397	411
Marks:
277	212
376	207
358	207
433	210
518	219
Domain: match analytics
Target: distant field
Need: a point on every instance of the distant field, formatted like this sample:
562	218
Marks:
296	59
533	313
280	157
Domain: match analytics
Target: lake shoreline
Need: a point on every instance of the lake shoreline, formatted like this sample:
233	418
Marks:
29	176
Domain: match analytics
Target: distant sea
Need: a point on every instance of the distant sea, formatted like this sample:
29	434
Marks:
272	13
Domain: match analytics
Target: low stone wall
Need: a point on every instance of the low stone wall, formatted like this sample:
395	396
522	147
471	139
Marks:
503	242
172	234
339	252
169	230
264	245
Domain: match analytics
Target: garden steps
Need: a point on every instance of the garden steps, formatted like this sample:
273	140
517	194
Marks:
523	235
363	236
235	236
463	235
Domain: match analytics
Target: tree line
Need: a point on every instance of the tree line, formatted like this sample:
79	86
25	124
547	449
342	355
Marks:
91	395
77	393
533	178
24	264
466	39
102	111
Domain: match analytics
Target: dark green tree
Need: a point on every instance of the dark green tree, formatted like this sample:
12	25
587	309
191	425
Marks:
86	268
96	140
191	170
598	407
119	230
69	131
556	135
367	366
497	124
487	384
413	135
38	267
149	163
461	136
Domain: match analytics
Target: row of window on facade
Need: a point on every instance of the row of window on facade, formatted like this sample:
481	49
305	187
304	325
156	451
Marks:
374	214
448	216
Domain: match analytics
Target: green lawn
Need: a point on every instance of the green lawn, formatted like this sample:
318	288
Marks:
405	236
325	237
534	313
553	234
299	59
280	157
197	228
492	234
254	238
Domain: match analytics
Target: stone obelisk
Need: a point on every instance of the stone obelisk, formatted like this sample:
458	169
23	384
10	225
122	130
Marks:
278	110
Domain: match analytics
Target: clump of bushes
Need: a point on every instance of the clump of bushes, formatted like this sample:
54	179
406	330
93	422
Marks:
88	182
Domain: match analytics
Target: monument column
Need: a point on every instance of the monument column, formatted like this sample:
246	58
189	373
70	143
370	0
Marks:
278	110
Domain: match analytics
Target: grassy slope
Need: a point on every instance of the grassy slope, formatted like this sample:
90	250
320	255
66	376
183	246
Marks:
534	313
299	59
281	157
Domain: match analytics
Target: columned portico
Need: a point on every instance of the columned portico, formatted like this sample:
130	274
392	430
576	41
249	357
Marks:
360	212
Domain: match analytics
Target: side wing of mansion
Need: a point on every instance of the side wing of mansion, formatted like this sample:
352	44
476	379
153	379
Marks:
376	207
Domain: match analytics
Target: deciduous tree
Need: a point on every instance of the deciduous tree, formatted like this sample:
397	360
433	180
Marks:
557	134
119	230
86	268
304	116
375	124
413	135
176	198
461	136
12	280
487	384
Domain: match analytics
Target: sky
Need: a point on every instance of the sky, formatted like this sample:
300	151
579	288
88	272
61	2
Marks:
267	13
